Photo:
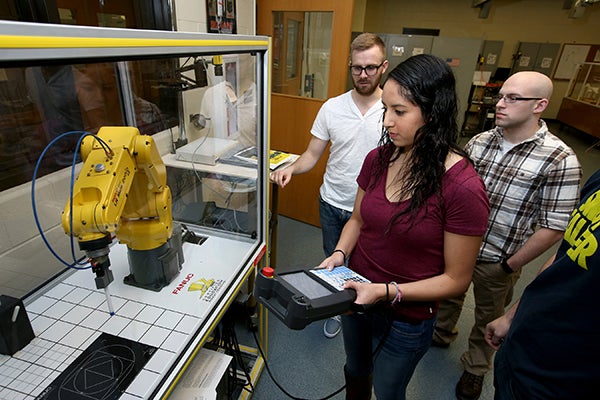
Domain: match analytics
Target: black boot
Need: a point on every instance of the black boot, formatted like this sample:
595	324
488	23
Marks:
358	388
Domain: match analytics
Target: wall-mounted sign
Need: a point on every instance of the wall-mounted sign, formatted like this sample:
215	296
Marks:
221	16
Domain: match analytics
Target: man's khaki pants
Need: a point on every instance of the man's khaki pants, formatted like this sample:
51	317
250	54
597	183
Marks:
493	291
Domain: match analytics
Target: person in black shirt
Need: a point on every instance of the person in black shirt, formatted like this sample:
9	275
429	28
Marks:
547	343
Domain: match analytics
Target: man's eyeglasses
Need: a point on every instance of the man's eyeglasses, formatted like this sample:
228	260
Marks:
511	98
370	70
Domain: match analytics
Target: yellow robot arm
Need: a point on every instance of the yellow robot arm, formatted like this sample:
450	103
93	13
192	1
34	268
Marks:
122	189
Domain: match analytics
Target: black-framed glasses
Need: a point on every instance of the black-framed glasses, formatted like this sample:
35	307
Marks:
511	98
370	70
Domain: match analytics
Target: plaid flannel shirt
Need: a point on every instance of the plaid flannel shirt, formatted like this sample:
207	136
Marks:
535	184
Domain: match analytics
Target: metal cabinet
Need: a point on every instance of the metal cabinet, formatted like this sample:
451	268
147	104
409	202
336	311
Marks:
540	57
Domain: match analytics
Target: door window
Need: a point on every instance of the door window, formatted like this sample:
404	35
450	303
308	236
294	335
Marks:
301	53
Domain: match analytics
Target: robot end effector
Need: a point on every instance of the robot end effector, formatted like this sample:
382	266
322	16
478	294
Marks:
97	253
122	189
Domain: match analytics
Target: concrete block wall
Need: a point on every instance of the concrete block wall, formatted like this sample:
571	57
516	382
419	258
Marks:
25	261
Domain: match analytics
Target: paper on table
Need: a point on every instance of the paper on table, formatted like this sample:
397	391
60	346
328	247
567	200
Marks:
200	380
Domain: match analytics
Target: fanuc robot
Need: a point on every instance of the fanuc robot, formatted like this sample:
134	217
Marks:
122	190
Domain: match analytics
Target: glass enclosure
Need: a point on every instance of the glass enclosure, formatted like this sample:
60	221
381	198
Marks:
201	100
585	84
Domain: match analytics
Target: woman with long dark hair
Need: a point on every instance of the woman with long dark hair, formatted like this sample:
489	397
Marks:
418	219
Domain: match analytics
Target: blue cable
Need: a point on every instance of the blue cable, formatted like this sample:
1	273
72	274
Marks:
33	201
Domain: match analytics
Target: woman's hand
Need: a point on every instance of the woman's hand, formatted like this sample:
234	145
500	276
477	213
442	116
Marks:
334	260
368	293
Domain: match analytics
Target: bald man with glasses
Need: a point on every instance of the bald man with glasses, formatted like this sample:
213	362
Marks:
532	180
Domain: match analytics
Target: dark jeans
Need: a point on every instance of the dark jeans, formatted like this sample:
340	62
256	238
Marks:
395	362
333	220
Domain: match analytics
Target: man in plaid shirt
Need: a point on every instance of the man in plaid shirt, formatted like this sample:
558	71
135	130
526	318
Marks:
532	180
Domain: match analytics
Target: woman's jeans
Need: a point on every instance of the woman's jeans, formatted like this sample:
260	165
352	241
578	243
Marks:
395	361
332	220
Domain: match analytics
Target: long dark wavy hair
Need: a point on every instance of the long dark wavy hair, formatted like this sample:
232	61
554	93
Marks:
427	82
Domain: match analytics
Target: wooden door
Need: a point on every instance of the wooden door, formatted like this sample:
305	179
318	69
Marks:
292	116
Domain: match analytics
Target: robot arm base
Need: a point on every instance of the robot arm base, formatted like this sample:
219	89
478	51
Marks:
156	268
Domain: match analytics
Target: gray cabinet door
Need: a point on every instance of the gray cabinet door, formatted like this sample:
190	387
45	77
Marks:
462	54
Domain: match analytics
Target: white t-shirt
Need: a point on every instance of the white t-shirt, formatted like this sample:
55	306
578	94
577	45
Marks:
352	136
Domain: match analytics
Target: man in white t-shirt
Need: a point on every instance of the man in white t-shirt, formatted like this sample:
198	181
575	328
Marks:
352	123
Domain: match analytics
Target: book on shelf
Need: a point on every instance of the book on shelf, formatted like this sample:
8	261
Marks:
276	158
